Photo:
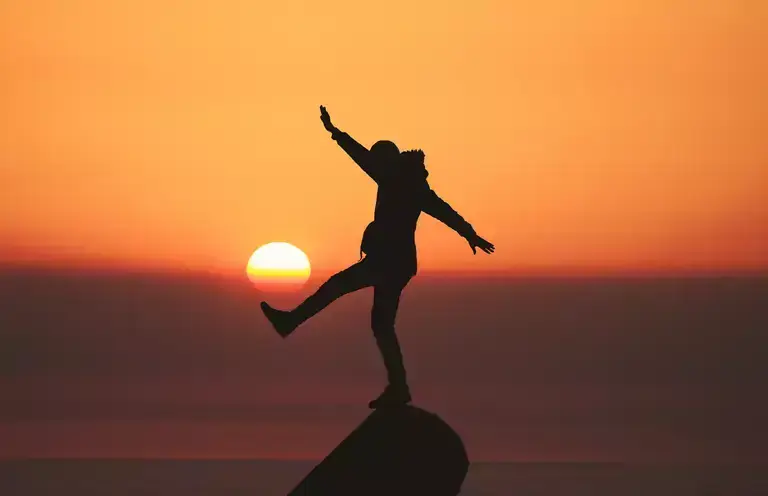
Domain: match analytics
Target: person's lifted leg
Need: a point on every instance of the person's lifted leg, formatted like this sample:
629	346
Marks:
351	279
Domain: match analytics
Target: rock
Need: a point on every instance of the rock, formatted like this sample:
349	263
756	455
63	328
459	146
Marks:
402	451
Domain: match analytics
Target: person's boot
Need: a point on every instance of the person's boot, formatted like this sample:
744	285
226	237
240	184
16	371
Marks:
285	321
281	320
392	397
397	392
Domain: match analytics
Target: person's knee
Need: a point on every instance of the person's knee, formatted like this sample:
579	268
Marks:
350	279
382	326
383	331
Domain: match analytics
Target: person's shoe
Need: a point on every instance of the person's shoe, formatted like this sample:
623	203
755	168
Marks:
393	396
280	319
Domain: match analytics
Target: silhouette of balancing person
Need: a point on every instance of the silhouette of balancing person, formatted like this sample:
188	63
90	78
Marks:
389	247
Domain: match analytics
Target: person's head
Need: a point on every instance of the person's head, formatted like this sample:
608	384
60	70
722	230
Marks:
385	151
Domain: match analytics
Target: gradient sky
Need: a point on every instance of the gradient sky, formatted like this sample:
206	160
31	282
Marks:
578	136
573	134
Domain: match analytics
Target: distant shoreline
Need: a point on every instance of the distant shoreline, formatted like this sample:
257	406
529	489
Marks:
526	463
424	274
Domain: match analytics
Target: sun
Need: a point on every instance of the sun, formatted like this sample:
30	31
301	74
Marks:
278	266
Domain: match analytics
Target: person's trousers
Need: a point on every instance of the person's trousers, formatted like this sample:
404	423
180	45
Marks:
387	286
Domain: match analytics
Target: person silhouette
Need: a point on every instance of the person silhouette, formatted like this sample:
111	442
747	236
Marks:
387	251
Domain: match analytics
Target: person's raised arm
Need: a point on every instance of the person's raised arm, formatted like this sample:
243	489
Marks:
357	152
438	208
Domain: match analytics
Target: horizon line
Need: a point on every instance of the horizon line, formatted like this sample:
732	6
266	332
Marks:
522	272
483	461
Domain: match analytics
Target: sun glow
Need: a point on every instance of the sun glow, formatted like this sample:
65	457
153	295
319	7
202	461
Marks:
278	265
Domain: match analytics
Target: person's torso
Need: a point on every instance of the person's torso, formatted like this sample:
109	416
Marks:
391	236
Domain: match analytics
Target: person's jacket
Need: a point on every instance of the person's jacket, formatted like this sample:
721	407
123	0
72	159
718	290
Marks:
403	193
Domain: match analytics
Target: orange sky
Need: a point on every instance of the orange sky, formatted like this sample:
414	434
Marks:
584	134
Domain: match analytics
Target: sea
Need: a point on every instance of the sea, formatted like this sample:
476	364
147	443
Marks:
136	384
275	478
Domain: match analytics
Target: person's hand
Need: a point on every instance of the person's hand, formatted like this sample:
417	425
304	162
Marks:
326	119
476	242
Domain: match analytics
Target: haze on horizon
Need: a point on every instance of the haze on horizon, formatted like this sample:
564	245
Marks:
588	135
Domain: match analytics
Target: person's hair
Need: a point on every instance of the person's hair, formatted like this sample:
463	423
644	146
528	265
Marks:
414	157
414	162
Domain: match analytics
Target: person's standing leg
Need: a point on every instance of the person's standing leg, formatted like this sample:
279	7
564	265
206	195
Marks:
351	279
386	299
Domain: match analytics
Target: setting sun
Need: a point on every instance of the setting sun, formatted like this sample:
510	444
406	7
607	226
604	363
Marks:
279	264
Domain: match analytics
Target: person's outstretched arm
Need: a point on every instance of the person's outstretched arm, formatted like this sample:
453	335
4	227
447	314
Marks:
440	210
357	152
